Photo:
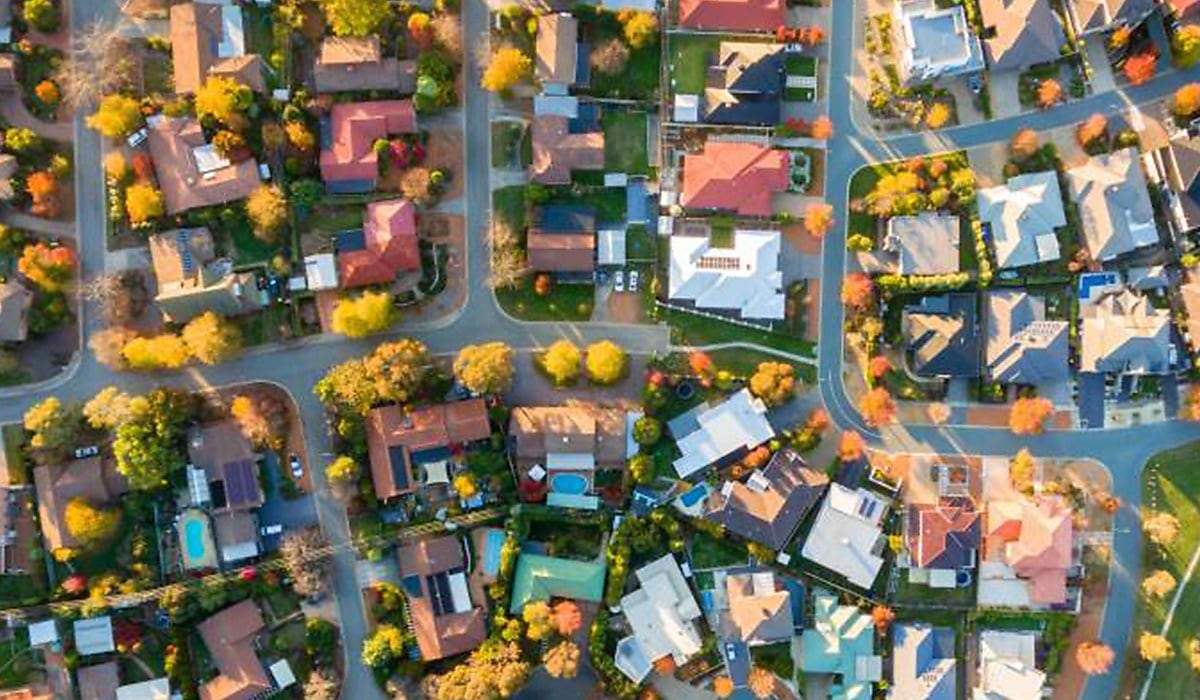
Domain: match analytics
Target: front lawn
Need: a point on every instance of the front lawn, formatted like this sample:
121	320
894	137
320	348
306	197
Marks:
328	219
510	145
625	148
690	329
16	660
709	552
639	80
565	302
508	205
689	57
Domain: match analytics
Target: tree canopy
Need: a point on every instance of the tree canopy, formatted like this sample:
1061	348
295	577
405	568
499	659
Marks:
486	368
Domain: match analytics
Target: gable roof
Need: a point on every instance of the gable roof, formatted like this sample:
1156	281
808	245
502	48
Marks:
351	64
15	301
760	610
557	150
661	613
538	431
90	479
944	535
1022	215
1036	540
1123	333
555	52
745	279
717	431
1114	205
770	505
842	641
1020	33
98	682
1022	346
389	245
734	15
734	176
1093	15
942	334
394	435
539	577
444	620
176	144
1008	666
924	665
229	637
846	534
926	243
348	148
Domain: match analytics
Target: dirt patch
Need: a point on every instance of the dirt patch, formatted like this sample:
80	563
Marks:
625	307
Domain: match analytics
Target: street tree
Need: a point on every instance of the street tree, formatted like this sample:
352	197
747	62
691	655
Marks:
1094	658
1155	648
1028	415
348	388
606	363
561	362
1021	471
212	339
262	419
117	116
818	219
305	555
363	315
1158	583
1024	144
850	446
1049	92
163	351
486	368
493	671
1186	102
399	369
109	408
858	291
877	407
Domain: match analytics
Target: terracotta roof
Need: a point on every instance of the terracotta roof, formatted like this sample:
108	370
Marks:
174	143
734	176
557	151
90	479
555	54
353	129
943	535
347	64
15	302
393	435
584	428
179	254
197	31
247	70
390	239
561	252
1181	7
99	682
740	15
441	629
1035	539
229	636
768	508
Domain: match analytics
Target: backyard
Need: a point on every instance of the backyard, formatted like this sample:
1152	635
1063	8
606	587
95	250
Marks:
625	136
689	57
709	552
640	77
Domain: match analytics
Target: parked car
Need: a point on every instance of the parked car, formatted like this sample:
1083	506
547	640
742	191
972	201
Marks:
975	83
1008	274
619	281
633	280
297	468
268	530
85	452
731	652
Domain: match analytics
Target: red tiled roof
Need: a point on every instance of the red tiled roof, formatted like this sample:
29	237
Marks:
936	524
742	15
1183	6
421	428
450	633
734	176
354	127
557	151
1041	550
229	636
561	252
390	234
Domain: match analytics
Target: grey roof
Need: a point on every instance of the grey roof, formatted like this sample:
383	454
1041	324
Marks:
1020	33
1182	158
746	85
1123	334
1092	15
15	302
1022	215
1022	346
927	243
768	508
943	335
1114	204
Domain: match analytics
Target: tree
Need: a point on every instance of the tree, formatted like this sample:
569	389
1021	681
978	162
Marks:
222	98
305	555
267	208
722	686
507	67
1094	658
761	682
366	314
211	339
322	684
562	660
1049	92
165	351
107	345
109	408
1155	648
90	524
1021	471
1029	414
1120	37
1158	583
610	57
1140	68
447	33
774	383
822	128
647	431
878	367
465	486
818	219
938	413
355	18
641	468
1186	102
606	363
882	616
561	361
877	407
938	115
539	624
42	15
55	425
147	445
383	647
1091	130
1185	45
43	189
640	28
348	388
343	470
415	184
858	291
1024	144
850	447
399	369
485	369
51	269
262	419
493	671
300	137
568	619
117	116
143	202
1160	527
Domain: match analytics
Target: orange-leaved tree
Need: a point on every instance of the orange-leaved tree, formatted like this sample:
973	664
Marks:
877	407
1028	415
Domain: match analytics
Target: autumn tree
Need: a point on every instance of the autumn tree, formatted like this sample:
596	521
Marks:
850	446
212	339
722	686
1094	658
1155	648
1158	583
492	672
1120	37
1049	92
97	64
610	57
1024	144
538	620
774	383
1095	128
267	208
485	369
818	219
163	351
51	269
107	344
305	554
822	128
465	485
43	190
109	408
640	28
938	115
1140	68
143	202
355	18
383	647
322	684
91	524
882	616
1021	471
1160	527
606	363
877	407
348	388
507	67
858	291
55	425
399	369
568	618
878	367
222	98
562	660
1186	102
262	419
447	33
761	682
342	470
561	362
1185	45
147	444
363	315
1028	415
117	116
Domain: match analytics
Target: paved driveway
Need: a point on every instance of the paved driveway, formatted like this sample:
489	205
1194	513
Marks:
276	510
1003	87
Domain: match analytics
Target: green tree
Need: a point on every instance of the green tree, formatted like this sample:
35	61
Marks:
355	17
641	468
348	388
366	314
486	368
647	431
1186	45
55	426
148	446
117	116
212	339
306	193
42	15
90	524
399	369
561	361
606	363
383	647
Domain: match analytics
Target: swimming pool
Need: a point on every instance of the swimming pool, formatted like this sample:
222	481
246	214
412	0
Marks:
693	495
491	552
193	539
196	541
573	484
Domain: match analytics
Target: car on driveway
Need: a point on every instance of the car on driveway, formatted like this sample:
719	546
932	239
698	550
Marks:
619	281
633	280
297	468
85	452
730	652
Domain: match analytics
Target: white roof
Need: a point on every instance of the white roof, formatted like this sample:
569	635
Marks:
43	632
738	422
1023	214
239	551
745	278
556	106
661	615
320	271
610	245
999	586
844	536
1007	666
435	473
281	671
687	108
632	659
157	689
94	635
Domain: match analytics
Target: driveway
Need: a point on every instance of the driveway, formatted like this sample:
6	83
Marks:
1004	93
1097	56
294	514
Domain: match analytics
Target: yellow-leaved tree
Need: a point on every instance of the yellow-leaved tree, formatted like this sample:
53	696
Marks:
507	67
363	315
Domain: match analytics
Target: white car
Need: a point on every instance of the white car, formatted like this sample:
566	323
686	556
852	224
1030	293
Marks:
619	281
633	280
297	469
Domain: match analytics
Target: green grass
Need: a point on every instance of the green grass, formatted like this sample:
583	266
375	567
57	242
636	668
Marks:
710	553
690	329
743	362
801	65
248	249
565	302
861	184
508	205
265	326
968	257
16	660
776	658
625	149
639	80
508	141
688	55
720	232
916	594
640	244
326	219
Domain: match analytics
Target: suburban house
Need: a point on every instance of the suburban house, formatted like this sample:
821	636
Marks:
760	608
156	689
1020	33
1028	550
1114	206
744	87
348	64
847	537
841	642
1096	16
1022	346
733	15
1008	666
349	163
91	479
207	39
772	502
926	244
942	539
924	665
1022	215
934	42
734	176
560	61
578	434
191	280
1177	166
566	137
941	336
17	527
230	637
433	577
662	614
191	173
399	440
718	434
232	490
541	577
562	239
743	280
385	247
1189	295
15	301
1122	333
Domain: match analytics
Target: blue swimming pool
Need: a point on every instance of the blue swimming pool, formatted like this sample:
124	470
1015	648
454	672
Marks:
193	539
491	552
573	484
693	495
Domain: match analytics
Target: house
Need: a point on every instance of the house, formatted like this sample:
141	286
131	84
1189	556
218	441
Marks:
942	539
934	42
734	176
94	635
732	15
349	163
383	248
434	579
1189	295
207	39
745	87
1177	166
348	64
1022	346
156	689
1115	213
98	681
90	479
719	433
1028	550
927	244
760	608
743	280
565	139
540	577
229	637
1020	33
1096	16
191	173
941	335
841	642
924	665
1022	215
662	613
847	537
582	435
232	490
191	279
1008	667
769	506
562	240
399	439
557	53
15	301
17	527
1123	334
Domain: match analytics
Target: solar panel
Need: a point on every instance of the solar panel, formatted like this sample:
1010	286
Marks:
240	483
439	589
182	239
399	466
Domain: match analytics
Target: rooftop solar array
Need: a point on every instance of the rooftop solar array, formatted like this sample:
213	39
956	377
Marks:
399	465
241	483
